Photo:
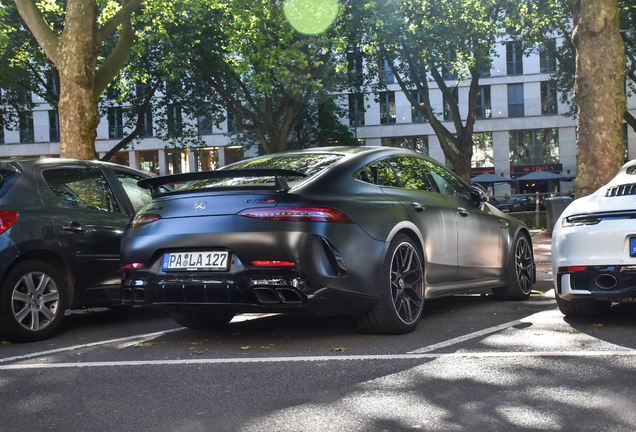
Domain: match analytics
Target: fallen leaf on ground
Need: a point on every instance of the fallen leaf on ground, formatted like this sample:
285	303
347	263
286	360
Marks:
145	344
337	349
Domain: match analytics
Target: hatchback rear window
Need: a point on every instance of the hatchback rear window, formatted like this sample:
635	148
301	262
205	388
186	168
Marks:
308	164
8	176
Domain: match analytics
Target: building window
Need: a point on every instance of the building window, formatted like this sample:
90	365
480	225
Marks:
387	107
206	159
1	128
356	110
534	147
417	116
177	161
515	100
146	124
115	123
417	143
484	109
514	58
54	126
24	97
27	134
547	61
448	113
175	120
549	103
625	140
354	66
204	125
483	155
149	161
386	74
231	122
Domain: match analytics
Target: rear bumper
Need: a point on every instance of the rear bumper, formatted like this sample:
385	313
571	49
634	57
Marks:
607	283
242	292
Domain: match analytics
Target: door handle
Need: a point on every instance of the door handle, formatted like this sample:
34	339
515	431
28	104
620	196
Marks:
73	227
417	207
462	211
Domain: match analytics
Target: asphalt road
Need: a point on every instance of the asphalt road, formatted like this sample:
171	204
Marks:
473	364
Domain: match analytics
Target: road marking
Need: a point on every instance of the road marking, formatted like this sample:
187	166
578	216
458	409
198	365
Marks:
75	347
475	355
469	336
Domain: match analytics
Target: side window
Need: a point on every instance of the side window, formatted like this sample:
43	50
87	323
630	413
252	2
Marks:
447	182
82	187
386	174
412	174
368	174
138	196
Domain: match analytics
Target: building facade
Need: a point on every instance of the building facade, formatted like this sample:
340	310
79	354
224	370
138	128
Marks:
521	127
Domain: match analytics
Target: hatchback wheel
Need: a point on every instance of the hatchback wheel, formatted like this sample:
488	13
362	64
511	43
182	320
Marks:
401	291
32	302
520	272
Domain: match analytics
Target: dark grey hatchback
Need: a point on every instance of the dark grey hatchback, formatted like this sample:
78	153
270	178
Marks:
61	222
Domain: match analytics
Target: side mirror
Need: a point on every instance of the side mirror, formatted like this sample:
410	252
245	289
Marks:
478	193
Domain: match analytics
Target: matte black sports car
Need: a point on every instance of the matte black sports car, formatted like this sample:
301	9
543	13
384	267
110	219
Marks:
61	222
368	231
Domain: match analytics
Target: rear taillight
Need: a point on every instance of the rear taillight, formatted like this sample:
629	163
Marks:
132	266
7	219
143	219
571	269
273	263
297	214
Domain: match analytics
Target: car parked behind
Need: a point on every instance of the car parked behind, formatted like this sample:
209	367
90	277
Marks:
61	222
594	248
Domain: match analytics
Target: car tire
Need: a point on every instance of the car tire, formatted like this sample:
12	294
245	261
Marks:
202	320
32	302
401	290
583	307
519	274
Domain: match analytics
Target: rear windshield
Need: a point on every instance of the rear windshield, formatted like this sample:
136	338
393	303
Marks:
8	176
308	164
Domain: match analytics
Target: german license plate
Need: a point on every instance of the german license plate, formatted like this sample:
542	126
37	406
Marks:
632	246
212	261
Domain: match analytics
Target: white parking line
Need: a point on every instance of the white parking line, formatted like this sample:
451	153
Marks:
74	347
321	359
421	353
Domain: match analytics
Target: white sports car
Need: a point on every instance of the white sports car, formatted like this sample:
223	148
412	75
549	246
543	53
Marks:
594	248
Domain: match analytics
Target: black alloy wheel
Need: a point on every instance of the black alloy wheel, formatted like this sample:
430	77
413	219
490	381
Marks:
399	307
520	274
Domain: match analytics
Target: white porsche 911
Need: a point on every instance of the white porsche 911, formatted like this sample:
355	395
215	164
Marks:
594	248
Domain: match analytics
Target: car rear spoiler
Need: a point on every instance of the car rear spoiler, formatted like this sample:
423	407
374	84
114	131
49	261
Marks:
280	184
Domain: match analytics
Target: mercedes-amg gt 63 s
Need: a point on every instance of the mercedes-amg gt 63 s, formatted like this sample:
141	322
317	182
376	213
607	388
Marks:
594	248
366	231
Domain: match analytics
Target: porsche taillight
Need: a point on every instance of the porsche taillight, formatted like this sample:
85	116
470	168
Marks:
7	219
297	214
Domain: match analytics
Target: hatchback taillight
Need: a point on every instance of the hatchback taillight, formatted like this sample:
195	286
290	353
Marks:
143	219
7	219
297	214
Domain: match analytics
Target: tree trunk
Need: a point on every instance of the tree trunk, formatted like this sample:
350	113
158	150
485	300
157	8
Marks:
74	52
599	92
79	115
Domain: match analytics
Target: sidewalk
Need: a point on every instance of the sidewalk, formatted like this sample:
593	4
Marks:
542	243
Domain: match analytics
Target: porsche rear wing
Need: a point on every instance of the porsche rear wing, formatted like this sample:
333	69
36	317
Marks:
280	184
